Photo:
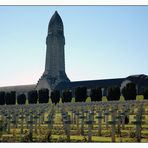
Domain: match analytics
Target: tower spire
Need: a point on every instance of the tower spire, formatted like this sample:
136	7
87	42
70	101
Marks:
55	22
55	57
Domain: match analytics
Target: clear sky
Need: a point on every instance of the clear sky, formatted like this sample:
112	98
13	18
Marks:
102	42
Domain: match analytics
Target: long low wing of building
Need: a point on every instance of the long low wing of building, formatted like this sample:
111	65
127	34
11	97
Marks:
141	82
19	88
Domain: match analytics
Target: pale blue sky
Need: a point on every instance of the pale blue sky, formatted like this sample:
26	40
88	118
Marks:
101	42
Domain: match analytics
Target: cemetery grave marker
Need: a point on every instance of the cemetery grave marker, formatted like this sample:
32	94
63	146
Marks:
49	122
92	115
67	123
89	122
99	117
5	121
8	121
36	117
106	116
77	120
72	115
118	117
27	118
39	115
31	127
113	123
14	120
1	129
123	119
139	122
22	117
82	117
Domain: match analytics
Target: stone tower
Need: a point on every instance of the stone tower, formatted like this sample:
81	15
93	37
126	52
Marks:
55	58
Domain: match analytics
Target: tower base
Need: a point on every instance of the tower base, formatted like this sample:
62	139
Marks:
50	82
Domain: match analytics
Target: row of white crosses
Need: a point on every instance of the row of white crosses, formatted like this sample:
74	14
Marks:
118	111
50	118
139	121
14	114
73	114
66	123
76	117
84	115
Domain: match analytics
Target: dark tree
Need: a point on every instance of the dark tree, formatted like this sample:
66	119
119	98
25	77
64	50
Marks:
146	93
113	93
96	94
55	96
32	97
129	91
80	94
66	96
13	97
2	98
43	95
10	98
21	99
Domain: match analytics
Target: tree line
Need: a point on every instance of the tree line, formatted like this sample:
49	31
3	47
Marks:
42	96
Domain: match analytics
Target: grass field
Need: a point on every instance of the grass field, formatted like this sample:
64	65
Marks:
55	132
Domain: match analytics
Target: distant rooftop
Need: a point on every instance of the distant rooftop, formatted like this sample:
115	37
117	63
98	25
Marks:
19	88
138	79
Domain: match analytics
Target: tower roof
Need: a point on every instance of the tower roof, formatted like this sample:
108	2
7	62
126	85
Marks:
55	22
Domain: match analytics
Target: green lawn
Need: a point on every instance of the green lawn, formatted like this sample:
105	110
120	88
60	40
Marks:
58	133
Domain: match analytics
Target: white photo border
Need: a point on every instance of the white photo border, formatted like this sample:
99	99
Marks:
73	2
